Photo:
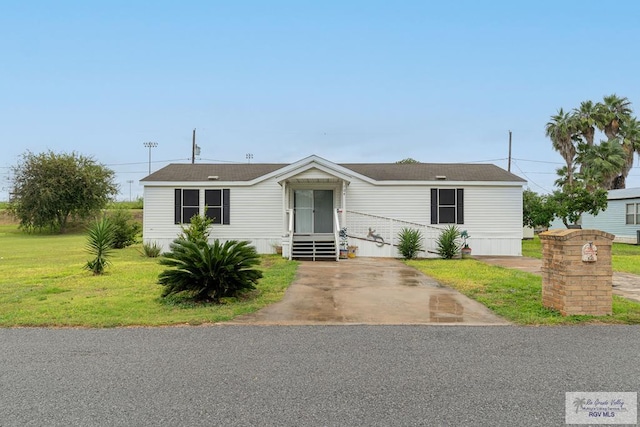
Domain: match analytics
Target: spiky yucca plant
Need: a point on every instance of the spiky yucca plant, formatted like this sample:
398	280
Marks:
100	244
447	242
409	242
207	272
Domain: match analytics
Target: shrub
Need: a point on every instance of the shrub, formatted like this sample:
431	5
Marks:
125	228
151	250
207	272
447	244
99	244
410	243
197	230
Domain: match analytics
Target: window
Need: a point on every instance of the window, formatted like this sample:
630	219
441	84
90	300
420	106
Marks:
633	213
187	204
217	205
447	206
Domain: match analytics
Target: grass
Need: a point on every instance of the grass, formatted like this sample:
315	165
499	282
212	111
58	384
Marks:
42	283
513	294
625	258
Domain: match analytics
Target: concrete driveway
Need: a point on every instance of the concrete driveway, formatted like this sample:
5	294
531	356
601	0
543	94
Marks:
374	291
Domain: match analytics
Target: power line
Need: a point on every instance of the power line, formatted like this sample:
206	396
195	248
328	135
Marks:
538	161
529	179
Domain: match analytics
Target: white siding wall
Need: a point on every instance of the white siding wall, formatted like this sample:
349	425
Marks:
255	215
492	214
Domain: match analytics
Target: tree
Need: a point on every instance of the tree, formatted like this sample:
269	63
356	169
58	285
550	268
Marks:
49	188
408	160
537	210
611	113
571	132
600	163
585	119
560	130
572	201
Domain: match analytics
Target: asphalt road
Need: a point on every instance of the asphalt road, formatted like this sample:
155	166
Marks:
309	375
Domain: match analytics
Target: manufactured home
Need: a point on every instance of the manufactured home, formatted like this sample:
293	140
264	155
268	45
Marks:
621	218
303	206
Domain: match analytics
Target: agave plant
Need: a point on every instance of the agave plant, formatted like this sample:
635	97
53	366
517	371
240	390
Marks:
100	244
207	272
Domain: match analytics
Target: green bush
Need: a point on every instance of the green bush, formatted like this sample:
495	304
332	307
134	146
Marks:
208	272
151	250
125	228
447	244
99	244
197	230
409	243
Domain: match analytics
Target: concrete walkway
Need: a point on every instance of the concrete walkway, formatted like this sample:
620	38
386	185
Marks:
624	284
373	291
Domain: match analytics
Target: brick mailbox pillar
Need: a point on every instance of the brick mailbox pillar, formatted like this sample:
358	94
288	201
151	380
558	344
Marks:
576	271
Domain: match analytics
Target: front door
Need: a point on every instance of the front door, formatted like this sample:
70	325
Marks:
313	211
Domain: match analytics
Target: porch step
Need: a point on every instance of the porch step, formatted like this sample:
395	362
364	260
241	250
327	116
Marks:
314	250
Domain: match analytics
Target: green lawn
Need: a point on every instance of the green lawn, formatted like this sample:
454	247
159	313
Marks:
513	294
624	257
43	283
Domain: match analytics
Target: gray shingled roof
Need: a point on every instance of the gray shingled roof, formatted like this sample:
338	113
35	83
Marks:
224	171
376	171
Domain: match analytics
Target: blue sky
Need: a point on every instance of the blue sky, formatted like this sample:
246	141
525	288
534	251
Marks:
350	81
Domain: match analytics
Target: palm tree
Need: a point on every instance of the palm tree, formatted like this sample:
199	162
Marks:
585	120
602	163
561	130
630	137
611	113
578	402
563	176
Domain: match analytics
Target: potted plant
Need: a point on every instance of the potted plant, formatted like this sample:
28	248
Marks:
344	243
352	251
465	250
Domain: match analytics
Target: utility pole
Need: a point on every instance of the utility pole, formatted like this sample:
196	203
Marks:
193	147
150	145
129	181
509	165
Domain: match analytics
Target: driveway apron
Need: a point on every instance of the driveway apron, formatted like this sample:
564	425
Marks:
374	291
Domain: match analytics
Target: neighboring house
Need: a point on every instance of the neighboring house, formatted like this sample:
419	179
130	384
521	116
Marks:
302	206
621	218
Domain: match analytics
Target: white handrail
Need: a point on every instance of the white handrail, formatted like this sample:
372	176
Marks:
290	233
336	232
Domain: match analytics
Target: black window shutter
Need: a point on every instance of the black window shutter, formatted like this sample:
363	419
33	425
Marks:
434	206
226	208
460	205
177	216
